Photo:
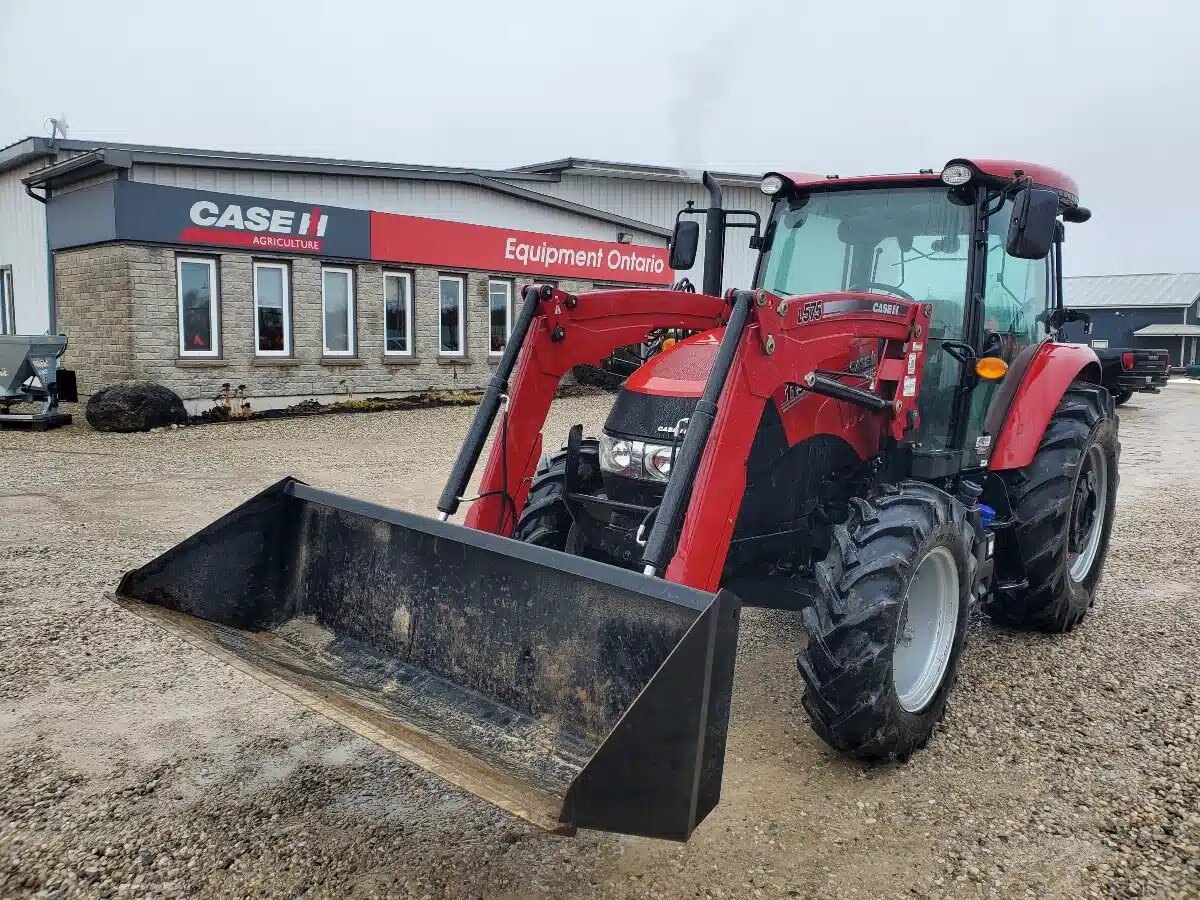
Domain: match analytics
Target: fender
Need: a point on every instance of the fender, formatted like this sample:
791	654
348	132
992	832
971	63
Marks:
1042	378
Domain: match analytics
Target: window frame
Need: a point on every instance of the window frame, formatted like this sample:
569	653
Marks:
351	314
287	307
461	352
508	310
407	277
214	306
8	306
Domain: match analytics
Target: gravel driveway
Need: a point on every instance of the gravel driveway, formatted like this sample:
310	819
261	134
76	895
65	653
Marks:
133	765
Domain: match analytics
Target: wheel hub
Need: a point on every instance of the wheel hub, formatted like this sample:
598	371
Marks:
1088	504
925	632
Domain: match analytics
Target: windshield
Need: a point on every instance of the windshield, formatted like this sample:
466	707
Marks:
909	242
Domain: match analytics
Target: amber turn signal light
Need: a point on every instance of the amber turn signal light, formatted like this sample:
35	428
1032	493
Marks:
669	343
990	368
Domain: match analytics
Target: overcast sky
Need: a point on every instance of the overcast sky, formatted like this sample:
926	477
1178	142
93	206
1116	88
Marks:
1105	90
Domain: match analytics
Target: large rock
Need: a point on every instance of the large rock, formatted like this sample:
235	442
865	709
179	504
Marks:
134	406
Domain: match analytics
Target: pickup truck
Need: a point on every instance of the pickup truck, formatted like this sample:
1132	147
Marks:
1125	371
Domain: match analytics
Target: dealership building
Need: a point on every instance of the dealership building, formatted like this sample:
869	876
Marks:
302	277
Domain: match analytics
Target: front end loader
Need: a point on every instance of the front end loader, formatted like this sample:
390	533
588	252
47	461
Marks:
882	434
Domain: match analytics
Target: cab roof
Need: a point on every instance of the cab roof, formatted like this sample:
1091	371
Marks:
992	169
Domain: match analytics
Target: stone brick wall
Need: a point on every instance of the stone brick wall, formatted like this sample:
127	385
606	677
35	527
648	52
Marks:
120	305
92	287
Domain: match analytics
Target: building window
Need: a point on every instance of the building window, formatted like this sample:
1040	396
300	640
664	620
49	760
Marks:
397	314
499	315
337	312
199	328
450	294
272	313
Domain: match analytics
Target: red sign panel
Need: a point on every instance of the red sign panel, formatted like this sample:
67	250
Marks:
435	242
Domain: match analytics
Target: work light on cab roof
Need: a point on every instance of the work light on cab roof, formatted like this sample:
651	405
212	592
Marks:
957	174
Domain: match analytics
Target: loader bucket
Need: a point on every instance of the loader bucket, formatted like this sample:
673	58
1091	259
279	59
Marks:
565	691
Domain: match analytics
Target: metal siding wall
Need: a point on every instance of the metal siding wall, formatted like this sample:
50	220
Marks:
657	202
435	199
23	246
1118	325
86	183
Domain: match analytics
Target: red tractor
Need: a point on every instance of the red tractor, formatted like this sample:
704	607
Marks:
881	434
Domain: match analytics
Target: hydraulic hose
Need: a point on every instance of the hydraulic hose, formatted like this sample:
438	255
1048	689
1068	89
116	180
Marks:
485	415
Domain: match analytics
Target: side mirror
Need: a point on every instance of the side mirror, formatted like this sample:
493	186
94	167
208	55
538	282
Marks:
684	242
1031	229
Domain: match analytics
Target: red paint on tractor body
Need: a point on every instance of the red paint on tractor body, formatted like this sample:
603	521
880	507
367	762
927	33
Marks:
1051	371
679	371
1044	176
786	340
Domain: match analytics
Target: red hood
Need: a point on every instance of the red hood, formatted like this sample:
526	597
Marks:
680	371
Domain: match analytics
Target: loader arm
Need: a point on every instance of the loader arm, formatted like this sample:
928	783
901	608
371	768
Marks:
782	342
564	331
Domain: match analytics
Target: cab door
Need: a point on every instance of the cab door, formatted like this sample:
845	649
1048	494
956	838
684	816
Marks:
1018	294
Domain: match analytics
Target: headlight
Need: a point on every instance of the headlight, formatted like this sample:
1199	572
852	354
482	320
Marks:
658	461
771	184
617	456
957	174
635	459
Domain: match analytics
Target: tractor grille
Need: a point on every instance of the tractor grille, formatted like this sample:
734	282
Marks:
637	415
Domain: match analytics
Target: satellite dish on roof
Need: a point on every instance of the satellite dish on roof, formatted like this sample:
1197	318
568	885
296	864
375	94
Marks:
57	128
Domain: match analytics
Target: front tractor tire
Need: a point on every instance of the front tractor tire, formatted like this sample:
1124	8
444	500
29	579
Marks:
888	621
1122	397
1062	505
545	520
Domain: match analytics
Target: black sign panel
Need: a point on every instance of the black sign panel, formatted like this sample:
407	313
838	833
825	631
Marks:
135	211
150	212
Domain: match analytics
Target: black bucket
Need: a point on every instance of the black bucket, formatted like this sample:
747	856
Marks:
565	691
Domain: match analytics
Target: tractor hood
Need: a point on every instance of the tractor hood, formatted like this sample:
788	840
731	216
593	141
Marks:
664	390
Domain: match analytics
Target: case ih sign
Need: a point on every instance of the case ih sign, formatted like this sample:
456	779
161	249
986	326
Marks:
150	212
136	211
257	226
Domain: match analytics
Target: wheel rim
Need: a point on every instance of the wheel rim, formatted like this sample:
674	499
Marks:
1087	513
925	636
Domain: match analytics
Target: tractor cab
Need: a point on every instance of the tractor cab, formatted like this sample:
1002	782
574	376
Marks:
950	241
979	242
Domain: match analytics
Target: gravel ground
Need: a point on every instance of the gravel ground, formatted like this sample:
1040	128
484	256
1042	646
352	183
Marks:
132	765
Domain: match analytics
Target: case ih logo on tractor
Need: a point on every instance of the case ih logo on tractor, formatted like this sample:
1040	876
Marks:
256	226
567	651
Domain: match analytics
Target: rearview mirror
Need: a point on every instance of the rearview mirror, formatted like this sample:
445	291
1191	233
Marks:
1031	229
684	242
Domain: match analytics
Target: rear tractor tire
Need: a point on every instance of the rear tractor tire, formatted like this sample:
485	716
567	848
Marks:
545	520
1063	504
888	622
